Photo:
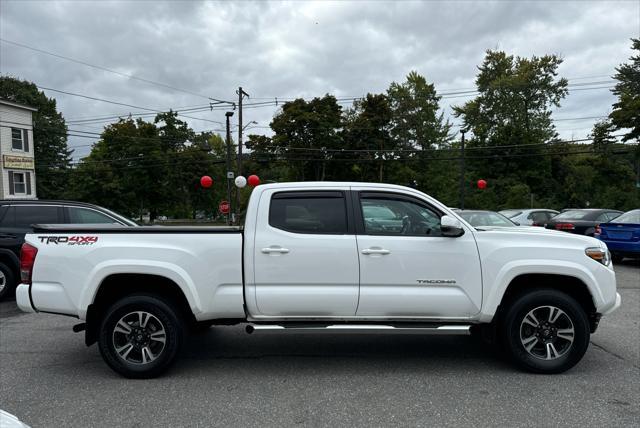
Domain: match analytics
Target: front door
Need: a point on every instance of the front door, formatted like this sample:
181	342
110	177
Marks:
305	255
407	269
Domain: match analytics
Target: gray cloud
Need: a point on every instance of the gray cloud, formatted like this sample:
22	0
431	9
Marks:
304	49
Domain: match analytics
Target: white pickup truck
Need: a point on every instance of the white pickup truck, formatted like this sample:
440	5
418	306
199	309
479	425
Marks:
322	257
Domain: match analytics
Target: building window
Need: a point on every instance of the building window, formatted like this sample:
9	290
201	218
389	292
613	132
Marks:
19	183
20	139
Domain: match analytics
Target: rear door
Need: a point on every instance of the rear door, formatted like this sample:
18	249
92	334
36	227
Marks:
407	269
17	221
305	255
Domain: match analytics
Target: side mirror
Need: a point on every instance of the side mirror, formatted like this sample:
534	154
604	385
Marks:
451	227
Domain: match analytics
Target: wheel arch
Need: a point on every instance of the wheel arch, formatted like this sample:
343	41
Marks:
10	259
119	285
568	284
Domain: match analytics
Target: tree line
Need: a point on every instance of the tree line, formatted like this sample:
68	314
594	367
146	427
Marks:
400	136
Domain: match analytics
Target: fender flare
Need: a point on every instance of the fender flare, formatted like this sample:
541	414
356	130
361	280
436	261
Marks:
512	270
169	271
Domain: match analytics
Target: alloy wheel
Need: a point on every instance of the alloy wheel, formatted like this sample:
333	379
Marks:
139	337
547	332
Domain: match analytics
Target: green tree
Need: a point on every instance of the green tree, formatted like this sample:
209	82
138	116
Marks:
417	121
602	135
626	111
513	112
418	124
306	132
52	155
367	133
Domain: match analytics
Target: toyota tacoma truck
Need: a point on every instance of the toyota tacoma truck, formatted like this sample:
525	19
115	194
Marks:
322	257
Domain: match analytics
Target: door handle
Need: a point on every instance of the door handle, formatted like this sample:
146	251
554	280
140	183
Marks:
269	250
380	251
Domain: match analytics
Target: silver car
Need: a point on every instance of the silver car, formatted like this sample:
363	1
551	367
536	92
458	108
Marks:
530	217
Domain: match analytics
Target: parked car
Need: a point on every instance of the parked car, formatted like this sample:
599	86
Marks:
581	221
531	216
622	235
17	216
322	257
480	218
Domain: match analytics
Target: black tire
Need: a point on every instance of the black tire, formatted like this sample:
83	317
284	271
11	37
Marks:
7	281
161	313
514	331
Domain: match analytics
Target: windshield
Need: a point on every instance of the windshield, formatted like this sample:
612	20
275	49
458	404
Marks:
573	215
628	217
510	213
486	218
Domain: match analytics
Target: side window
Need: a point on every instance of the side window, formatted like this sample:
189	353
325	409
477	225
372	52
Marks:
603	218
27	215
83	215
16	139
309	212
389	216
538	217
613	215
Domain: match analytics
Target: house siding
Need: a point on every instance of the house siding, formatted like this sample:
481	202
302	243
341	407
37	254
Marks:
12	116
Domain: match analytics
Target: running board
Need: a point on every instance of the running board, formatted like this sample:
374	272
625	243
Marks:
361	329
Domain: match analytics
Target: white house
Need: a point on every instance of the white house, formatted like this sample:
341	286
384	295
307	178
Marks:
17	177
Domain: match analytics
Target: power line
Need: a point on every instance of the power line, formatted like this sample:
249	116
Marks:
123	104
130	76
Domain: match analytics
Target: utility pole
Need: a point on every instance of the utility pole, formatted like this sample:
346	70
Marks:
229	172
241	95
463	131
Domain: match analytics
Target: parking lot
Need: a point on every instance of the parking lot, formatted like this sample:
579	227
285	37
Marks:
228	378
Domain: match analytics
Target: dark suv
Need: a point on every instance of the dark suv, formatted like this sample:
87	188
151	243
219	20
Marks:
17	216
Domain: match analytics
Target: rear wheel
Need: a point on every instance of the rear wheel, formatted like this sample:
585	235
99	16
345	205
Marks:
545	331
7	281
616	258
140	336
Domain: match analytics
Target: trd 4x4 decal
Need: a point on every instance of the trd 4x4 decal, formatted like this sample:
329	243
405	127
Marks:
69	240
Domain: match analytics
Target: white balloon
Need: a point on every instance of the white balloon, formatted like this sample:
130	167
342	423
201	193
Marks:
241	181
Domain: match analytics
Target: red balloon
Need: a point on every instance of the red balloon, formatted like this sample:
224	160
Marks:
206	181
482	184
253	180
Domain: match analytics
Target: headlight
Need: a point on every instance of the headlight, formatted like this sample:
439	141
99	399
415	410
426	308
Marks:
599	254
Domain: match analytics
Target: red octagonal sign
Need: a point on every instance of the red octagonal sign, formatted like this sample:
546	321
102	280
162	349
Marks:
224	207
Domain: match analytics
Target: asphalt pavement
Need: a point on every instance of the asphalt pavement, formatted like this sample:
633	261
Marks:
228	378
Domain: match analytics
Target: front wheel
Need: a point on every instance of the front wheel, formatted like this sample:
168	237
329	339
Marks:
545	331
140	336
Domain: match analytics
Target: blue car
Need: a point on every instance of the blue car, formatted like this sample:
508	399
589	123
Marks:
622	235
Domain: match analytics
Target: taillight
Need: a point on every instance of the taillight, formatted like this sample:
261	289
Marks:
27	259
565	226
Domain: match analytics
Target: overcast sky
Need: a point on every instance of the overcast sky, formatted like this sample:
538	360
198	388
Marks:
301	49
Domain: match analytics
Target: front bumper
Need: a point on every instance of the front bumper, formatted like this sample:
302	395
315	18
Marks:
22	298
615	306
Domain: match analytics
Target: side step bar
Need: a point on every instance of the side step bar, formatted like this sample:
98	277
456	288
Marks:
361	329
